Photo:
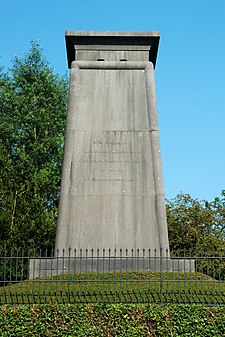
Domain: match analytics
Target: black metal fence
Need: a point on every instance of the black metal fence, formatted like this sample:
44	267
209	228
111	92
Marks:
112	276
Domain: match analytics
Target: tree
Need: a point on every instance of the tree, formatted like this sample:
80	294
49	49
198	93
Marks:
33	104
196	226
197	229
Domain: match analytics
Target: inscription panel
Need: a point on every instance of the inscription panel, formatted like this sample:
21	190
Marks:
112	162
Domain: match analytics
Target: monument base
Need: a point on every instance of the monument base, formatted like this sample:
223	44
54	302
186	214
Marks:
48	267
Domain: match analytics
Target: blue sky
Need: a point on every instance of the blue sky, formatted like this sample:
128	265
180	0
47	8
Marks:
190	72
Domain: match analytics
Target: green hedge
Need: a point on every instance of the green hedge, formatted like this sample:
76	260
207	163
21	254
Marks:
112	320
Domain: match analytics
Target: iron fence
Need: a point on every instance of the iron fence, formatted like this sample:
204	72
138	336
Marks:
111	276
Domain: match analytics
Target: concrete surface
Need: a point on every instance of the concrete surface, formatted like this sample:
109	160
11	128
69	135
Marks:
112	192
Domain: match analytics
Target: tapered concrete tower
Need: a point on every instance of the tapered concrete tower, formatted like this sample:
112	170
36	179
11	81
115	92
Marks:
112	194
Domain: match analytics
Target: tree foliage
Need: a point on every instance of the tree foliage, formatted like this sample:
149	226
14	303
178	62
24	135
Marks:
196	226
33	102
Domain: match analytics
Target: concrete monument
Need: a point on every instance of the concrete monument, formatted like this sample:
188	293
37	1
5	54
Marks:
112	208
112	193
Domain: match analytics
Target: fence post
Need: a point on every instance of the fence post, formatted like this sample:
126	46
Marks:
161	280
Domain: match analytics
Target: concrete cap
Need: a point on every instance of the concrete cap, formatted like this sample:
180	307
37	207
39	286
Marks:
112	41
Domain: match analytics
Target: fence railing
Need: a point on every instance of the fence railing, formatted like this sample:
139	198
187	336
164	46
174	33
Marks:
112	276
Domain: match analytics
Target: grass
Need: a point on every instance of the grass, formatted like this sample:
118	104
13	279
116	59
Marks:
118	287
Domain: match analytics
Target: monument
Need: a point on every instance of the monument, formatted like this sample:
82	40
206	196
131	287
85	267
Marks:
112	197
112	186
